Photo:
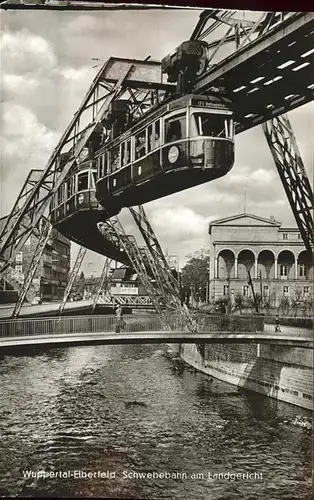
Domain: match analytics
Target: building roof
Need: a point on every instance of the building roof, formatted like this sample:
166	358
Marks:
244	219
123	274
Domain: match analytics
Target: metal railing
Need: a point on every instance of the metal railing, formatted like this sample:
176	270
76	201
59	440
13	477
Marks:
68	325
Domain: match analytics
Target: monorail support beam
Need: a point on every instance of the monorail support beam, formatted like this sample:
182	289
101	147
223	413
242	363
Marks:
73	275
286	154
104	279
114	231
168	284
22	221
7	255
44	234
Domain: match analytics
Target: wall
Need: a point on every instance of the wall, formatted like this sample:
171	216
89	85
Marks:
283	373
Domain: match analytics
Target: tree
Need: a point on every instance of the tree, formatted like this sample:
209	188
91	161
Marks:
194	277
239	302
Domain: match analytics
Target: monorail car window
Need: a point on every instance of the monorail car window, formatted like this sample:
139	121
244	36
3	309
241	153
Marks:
115	158
157	134
68	187
60	194
140	144
82	181
103	165
126	152
213	125
175	128
72	185
154	136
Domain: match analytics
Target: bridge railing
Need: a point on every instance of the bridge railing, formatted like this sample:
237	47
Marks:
74	325
68	325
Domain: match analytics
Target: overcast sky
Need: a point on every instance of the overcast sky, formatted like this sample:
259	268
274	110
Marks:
47	67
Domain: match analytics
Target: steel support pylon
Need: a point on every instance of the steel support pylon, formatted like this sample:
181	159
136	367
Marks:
287	157
73	275
104	279
45	229
168	284
35	201
114	231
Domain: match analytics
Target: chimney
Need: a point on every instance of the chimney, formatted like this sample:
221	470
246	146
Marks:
272	218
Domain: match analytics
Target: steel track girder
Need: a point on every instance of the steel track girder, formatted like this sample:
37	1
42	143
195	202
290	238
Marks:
104	279
290	167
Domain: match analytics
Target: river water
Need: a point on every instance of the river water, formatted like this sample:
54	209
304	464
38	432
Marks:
119	411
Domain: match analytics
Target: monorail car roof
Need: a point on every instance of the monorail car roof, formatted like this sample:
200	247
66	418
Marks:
213	101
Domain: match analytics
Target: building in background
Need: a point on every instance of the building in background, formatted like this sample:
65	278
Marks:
173	262
276	258
125	282
51	276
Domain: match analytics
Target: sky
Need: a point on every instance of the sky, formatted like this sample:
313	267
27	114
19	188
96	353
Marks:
46	67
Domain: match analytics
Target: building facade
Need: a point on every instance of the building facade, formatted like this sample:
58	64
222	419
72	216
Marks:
125	282
275	257
51	275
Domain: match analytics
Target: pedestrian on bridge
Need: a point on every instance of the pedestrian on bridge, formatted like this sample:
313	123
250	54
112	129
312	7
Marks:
119	319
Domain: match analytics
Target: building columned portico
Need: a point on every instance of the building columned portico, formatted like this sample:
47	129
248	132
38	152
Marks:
274	256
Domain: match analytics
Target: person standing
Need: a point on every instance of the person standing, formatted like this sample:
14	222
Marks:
119	320
277	324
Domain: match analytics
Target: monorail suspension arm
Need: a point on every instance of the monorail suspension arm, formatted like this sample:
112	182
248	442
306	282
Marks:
73	275
103	280
44	234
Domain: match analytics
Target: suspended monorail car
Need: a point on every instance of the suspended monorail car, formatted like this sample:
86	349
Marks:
75	211
183	143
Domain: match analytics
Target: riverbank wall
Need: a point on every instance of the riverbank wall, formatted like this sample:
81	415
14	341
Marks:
281	372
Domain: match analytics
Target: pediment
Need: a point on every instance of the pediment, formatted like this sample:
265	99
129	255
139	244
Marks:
244	220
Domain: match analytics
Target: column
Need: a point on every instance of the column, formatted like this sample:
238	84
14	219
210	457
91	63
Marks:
255	269
216	268
236	267
276	268
295	267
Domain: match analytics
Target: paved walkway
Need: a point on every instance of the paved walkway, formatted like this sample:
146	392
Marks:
47	307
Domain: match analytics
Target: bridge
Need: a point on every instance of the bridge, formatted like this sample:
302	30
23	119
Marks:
78	306
146	329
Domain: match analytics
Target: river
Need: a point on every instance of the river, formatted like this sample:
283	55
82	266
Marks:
116	413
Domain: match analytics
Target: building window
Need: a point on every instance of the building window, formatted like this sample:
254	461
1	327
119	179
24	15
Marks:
226	289
285	236
266	290
306	290
302	270
283	270
246	290
18	268
286	290
299	236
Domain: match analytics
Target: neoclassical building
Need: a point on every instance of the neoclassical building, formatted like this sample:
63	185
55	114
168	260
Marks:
275	257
